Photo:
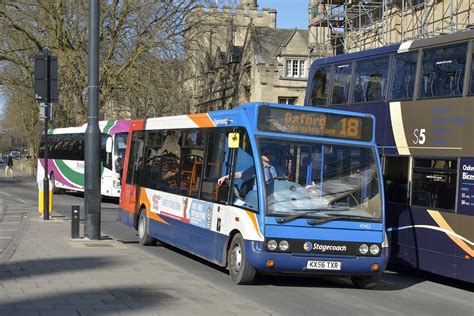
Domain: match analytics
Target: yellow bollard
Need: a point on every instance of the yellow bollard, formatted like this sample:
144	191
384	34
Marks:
41	198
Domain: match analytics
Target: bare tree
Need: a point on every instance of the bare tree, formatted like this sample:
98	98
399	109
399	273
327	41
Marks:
141	51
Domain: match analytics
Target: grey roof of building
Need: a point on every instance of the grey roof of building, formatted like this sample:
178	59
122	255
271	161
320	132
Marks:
268	42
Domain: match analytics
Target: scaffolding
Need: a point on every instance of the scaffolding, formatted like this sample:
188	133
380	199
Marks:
342	26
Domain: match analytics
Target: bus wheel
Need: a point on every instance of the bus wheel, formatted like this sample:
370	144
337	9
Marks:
365	281
144	238
54	189
240	270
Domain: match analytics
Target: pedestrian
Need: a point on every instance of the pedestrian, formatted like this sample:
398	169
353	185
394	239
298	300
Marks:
9	167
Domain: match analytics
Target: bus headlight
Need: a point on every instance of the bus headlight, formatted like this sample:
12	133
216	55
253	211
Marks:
374	249
363	249
272	244
284	245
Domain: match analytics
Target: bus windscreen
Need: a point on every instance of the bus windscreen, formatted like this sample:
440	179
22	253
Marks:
319	124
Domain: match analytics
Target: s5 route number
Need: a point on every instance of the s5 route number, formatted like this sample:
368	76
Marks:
419	137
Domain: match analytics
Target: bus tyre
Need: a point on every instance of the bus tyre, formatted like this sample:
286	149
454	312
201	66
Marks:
54	189
240	270
144	238
365	281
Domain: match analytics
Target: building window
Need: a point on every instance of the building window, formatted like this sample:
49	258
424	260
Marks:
287	100
295	68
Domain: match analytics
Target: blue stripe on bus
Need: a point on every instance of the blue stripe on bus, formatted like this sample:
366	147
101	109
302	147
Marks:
199	241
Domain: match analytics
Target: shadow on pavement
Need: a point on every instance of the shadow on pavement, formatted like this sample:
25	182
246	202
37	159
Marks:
389	281
404	272
91	301
28	268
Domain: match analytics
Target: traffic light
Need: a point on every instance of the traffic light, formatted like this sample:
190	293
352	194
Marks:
46	77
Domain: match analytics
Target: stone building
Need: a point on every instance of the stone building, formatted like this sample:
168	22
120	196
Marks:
240	56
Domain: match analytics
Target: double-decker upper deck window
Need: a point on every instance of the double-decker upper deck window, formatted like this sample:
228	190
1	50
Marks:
434	183
370	81
442	71
295	68
342	80
403	76
320	86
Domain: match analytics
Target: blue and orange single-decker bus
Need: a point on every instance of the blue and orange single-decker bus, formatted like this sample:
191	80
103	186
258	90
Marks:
261	188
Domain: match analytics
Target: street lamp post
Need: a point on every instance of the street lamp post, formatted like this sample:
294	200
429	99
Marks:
92	137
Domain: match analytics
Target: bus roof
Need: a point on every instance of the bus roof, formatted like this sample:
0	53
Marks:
244	115
107	127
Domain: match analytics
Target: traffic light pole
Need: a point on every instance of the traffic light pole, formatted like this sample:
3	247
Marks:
92	137
46	200
46	170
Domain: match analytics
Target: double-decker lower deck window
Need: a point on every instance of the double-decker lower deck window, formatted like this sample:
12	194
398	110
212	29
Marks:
434	183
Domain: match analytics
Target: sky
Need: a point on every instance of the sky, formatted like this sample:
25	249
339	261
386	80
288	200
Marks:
290	13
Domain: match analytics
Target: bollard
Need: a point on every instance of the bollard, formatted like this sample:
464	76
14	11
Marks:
75	216
41	198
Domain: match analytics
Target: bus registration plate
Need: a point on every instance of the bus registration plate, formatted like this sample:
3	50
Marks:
324	265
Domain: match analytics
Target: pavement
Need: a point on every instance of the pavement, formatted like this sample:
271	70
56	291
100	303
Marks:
45	272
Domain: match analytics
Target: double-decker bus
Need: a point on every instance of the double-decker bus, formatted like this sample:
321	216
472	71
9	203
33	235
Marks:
422	95
261	187
66	157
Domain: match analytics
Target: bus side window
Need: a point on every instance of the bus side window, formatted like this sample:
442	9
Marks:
215	167
442	71
403	76
342	80
434	183
245	187
192	154
170	156
135	163
105	158
370	80
152	167
320	86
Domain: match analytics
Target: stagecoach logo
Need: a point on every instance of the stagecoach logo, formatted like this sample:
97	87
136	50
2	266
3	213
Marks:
308	246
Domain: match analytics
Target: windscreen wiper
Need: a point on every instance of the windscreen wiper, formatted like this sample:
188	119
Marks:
289	218
300	215
336	217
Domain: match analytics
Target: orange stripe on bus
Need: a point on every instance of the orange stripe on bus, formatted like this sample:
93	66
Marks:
144	200
253	218
443	224
201	120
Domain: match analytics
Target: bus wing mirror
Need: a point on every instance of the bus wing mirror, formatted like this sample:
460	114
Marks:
233	140
108	145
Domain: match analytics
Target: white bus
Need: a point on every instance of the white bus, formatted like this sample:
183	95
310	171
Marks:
66	157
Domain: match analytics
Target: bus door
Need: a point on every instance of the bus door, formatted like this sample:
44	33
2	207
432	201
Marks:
396	171
131	190
106	160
